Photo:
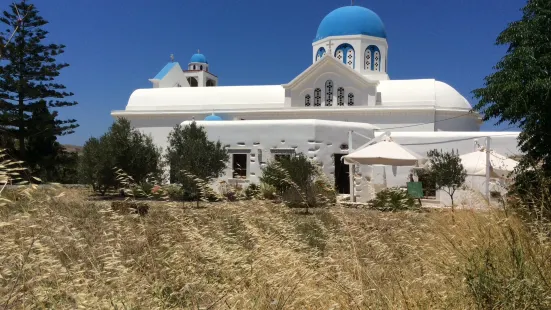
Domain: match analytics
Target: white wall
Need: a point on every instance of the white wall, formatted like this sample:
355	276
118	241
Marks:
457	121
173	77
321	139
318	140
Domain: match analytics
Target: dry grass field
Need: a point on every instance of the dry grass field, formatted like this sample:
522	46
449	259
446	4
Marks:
59	250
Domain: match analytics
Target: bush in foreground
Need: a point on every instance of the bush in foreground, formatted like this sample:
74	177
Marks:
194	160
394	199
122	147
299	182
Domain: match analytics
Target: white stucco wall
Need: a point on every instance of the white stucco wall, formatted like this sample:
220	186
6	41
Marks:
320	139
172	78
317	139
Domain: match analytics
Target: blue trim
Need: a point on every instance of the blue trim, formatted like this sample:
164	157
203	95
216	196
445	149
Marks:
351	20
321	52
373	49
165	70
345	47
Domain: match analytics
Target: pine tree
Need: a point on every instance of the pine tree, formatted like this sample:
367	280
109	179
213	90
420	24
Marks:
43	153
28	70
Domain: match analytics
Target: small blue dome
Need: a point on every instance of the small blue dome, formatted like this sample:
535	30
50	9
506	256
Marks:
199	58
213	118
351	20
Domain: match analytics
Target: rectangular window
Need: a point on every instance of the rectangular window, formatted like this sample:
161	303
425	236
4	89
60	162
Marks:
379	99
239	165
278	157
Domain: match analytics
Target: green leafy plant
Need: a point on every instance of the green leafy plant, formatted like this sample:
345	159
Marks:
298	181
393	199
517	92
113	149
445	171
267	191
252	191
194	160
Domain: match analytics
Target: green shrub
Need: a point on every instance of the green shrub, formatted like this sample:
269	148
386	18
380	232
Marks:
393	199
298	181
268	191
123	147
195	161
174	192
252	191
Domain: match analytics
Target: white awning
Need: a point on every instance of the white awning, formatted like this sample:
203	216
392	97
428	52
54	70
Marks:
385	152
500	165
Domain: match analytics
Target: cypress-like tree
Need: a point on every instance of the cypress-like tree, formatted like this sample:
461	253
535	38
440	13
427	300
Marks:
28	70
519	91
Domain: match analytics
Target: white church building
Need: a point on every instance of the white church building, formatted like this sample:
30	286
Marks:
346	88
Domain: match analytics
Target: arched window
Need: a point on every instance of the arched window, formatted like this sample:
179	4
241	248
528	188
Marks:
340	96
372	58
368	59
201	68
317	97
329	93
192	82
350	58
345	53
193	67
307	100
350	99
320	53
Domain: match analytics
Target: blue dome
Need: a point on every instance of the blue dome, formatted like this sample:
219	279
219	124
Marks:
213	118
351	20
199	58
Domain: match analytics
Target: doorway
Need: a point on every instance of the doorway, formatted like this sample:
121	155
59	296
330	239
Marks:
342	175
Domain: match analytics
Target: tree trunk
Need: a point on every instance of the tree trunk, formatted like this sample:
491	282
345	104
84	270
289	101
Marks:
21	103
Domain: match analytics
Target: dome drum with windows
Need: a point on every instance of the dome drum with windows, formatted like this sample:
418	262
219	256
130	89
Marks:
355	36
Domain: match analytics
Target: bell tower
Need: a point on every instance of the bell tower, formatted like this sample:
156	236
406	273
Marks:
198	74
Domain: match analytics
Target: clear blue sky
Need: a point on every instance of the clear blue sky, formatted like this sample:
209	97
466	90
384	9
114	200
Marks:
115	46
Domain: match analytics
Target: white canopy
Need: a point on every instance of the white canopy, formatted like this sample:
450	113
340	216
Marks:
475	164
385	152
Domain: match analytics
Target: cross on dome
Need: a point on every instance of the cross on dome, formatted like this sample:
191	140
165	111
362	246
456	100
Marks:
329	46
172	57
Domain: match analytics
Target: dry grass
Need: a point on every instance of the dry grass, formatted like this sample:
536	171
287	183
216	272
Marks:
66	252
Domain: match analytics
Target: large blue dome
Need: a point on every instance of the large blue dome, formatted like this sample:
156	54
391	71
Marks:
351	20
199	58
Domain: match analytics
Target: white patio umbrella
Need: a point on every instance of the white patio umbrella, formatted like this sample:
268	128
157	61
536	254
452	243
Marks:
500	165
385	152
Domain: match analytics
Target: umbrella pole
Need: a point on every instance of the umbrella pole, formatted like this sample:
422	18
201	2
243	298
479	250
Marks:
488	169
351	169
